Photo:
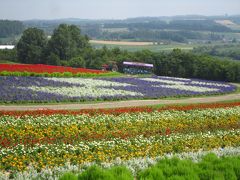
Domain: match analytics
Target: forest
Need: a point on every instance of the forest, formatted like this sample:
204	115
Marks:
225	51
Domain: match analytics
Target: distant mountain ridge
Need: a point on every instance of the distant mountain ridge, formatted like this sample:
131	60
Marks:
137	19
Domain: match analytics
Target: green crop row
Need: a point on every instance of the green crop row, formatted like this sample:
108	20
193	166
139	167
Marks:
210	167
58	74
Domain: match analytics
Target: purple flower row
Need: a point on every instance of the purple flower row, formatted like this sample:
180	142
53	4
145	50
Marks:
16	89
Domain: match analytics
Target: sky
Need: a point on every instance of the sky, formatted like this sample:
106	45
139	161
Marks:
113	9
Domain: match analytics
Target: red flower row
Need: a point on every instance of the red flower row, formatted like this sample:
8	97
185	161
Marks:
41	68
119	111
6	142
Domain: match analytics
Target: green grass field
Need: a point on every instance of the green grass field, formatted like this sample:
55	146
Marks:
154	48
7	62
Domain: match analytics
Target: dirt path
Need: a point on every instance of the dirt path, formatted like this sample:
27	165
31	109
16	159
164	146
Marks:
118	104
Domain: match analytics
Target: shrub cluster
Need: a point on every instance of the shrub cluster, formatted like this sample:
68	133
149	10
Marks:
211	167
58	74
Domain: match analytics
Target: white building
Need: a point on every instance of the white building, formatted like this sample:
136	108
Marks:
6	46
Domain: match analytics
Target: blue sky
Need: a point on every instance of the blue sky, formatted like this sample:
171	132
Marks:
113	9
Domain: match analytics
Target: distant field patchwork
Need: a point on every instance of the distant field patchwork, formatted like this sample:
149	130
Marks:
138	46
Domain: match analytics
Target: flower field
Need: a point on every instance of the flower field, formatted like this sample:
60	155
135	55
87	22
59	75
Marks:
46	89
48	143
42	68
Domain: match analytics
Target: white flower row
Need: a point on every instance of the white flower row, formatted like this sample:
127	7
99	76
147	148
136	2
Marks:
209	84
175	78
89	82
173	115
135	165
189	88
191	81
163	81
187	85
93	92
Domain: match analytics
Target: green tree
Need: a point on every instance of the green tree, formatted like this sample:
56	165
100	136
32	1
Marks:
67	42
30	48
77	62
53	59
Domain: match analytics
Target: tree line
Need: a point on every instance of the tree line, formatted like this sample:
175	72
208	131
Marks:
190	25
227	50
156	35
68	47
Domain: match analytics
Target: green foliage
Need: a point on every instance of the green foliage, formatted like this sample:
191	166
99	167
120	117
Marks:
30	48
77	62
190	25
94	173
229	51
97	173
8	54
121	173
183	64
159	31
57	74
69	48
68	74
210	167
67	42
153	173
53	59
68	176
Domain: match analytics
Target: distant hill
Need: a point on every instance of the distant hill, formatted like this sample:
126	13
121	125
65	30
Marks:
185	28
10	28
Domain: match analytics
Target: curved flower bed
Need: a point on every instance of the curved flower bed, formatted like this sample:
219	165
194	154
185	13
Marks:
42	89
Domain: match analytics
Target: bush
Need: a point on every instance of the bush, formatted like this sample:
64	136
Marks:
77	62
94	173
68	176
97	173
211	167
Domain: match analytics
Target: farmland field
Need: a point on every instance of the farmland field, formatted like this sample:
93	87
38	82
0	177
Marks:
48	143
154	48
